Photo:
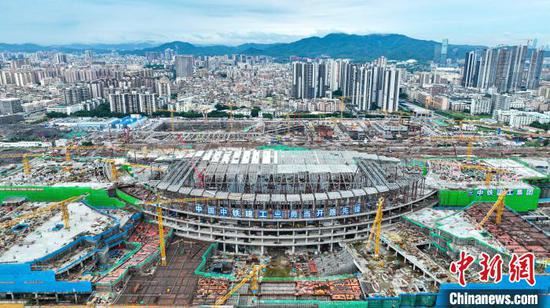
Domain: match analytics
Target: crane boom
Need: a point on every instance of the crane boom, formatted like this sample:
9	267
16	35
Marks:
52	207
253	273
162	245
376	228
498	206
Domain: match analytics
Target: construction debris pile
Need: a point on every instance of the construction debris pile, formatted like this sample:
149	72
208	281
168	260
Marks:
338	290
236	265
49	171
460	174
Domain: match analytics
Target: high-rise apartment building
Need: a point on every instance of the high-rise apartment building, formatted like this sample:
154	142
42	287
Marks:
60	58
535	69
374	85
76	94
133	101
443	55
502	68
163	87
390	94
10	106
471	69
184	66
305	81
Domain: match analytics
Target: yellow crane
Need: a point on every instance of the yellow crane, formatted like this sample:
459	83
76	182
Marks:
256	269
67	159
498	206
162	245
172	121
24	159
464	138
342	106
489	171
114	171
160	221
26	165
376	228
63	205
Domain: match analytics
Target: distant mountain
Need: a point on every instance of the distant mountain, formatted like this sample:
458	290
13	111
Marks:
336	45
365	47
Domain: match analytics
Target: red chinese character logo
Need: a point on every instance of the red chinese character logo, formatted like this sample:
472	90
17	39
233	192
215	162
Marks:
522	268
460	266
491	268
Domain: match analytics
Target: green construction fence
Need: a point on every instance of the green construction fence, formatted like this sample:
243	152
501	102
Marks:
520	200
96	197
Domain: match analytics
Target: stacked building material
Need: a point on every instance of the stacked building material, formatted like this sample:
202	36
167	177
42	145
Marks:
345	289
209	290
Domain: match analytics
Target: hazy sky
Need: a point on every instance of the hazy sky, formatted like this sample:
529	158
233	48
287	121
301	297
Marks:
487	22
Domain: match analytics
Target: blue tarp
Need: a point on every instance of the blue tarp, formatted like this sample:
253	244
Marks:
19	278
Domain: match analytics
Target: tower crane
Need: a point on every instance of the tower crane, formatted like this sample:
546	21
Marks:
162	244
63	205
376	228
24	159
254	273
160	221
469	139
114	171
499	207
172	123
489	171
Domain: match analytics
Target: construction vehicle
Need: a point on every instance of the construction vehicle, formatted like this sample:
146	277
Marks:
63	205
376	228
498	206
254	273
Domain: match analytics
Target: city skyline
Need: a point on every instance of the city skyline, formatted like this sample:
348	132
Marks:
219	22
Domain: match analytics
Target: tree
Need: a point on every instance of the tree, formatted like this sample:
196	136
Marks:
255	111
537	124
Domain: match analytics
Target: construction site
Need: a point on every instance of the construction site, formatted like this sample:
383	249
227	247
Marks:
251	213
